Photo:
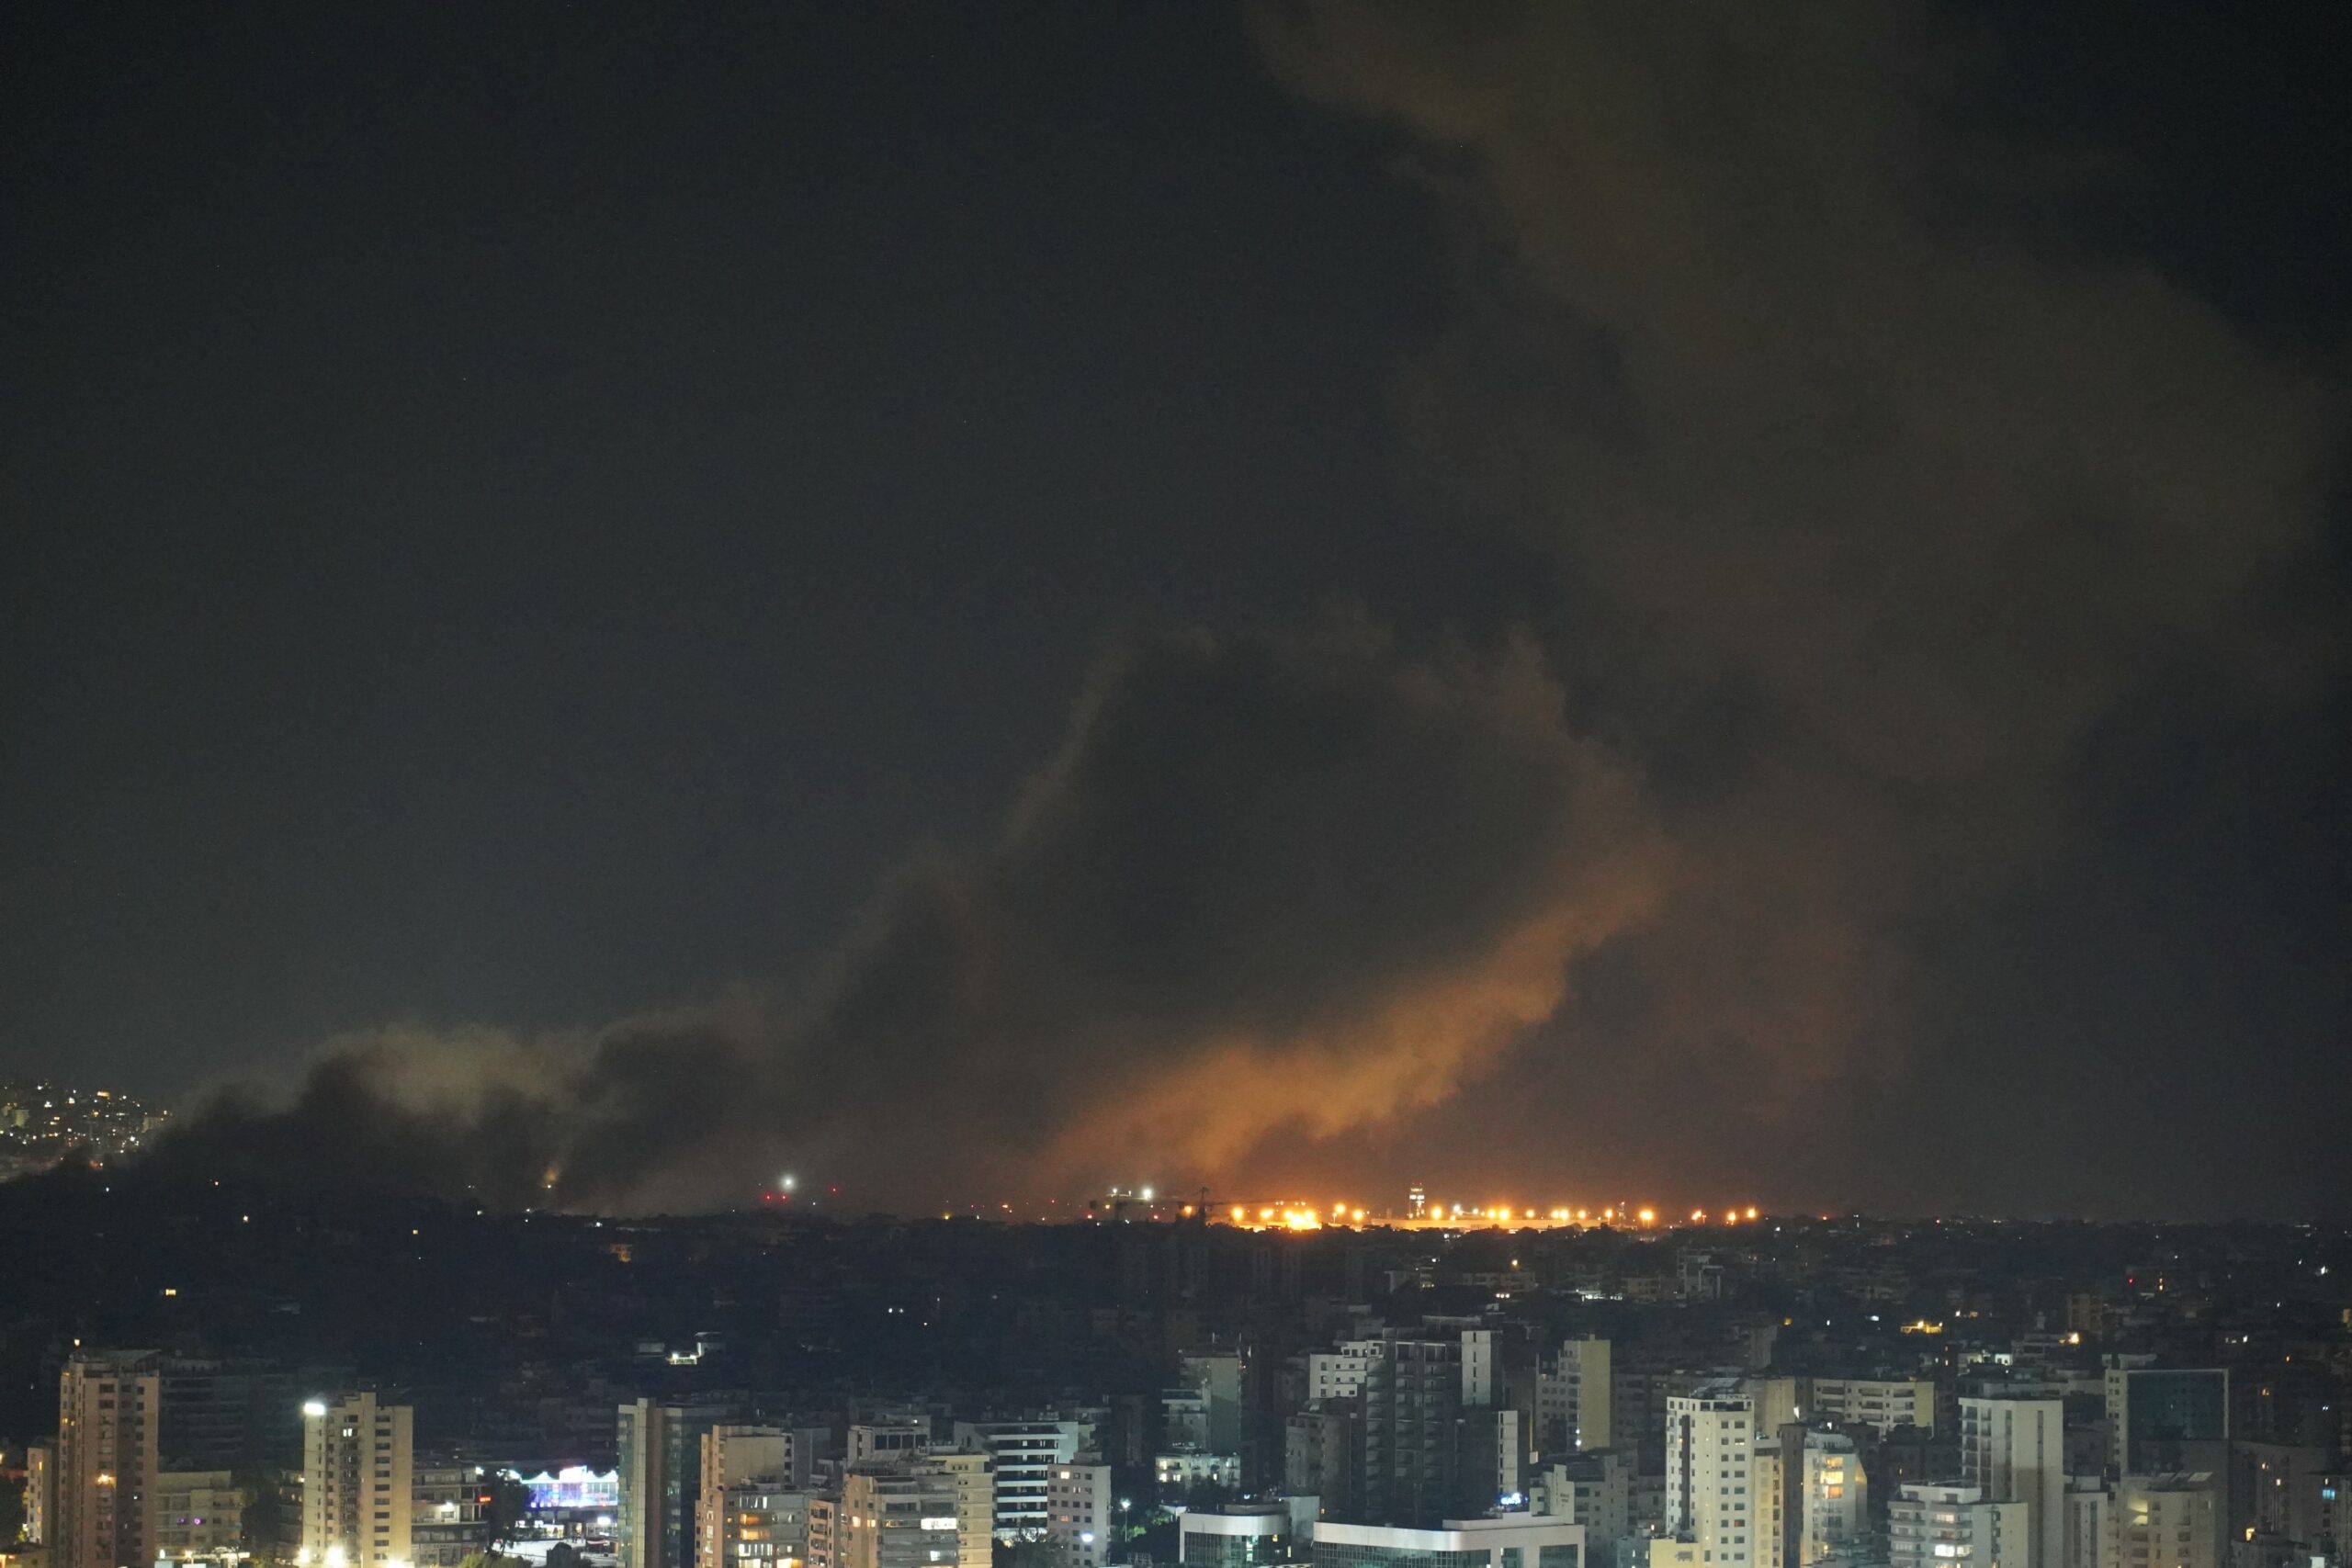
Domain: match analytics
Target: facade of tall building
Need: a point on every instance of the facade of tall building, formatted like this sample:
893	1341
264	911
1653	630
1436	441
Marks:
40	1494
1572	1398
243	1416
1337	1374
198	1513
358	1482
446	1515
1021	1454
1776	1505
1488	1447
1239	1536
1216	1377
2090	1523
636	1516
1594	1490
737	1460
109	1410
1954	1527
1409	1469
1710	1472
1080	1516
1479	1372
1780	1402
1880	1403
1322	1453
2159	1419
660	1460
897	1517
2146	1522
1179	1472
1808	1500
1184	1418
1833	1498
2014	1451
754	1524
973	1474
2279	1489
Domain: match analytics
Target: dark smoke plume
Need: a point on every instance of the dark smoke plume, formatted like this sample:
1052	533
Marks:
1275	884
1867	511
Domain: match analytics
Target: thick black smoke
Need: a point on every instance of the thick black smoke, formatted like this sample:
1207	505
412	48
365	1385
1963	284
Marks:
1296	882
1869	513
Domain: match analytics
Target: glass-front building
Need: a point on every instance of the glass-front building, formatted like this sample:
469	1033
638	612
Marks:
1235	1539
2164	1408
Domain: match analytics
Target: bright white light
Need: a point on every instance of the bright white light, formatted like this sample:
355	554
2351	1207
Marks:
788	1182
314	1409
1146	1198
335	1557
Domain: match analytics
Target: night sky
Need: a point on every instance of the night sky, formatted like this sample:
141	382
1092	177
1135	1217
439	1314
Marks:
1567	602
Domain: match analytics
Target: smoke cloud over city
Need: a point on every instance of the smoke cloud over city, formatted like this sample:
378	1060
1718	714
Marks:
1863	499
1868	510
1296	883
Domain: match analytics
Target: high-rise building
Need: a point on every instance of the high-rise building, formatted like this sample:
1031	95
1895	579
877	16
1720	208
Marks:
40	1494
1079	1518
1808	1498
2014	1451
892	1517
1709	1454
243	1416
754	1524
1880	1403
739	1462
1337	1374
870	1441
1832	1497
1954	1527
1595	1490
1240	1535
1021	1454
1179	1473
1422	1455
1216	1377
636	1517
1572	1398
107	1427
2278	1491
2162	1418
1488	1445
659	1451
2148	1522
1322	1453
1777	1509
198	1513
445	1514
358	1483
1479	1373
973	1474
